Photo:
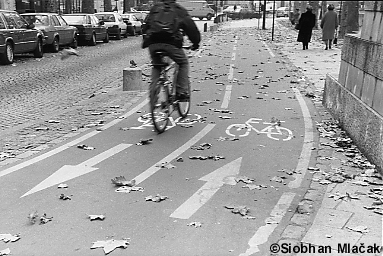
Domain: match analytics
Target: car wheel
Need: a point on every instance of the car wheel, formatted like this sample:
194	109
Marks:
55	47
92	41
74	43
133	31
38	52
7	56
106	39
119	35
126	33
140	31
209	16
200	18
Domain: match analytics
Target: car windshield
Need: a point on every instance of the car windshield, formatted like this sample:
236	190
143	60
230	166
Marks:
106	17
74	19
37	19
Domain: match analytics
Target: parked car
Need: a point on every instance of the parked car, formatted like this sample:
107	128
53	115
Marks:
282	12
140	15
90	29
232	12
114	23
56	30
134	24
17	36
198	9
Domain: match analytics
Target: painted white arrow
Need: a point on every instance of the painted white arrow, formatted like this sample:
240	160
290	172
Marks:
68	172
214	181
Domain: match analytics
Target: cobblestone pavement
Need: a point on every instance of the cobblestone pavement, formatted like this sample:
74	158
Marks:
42	101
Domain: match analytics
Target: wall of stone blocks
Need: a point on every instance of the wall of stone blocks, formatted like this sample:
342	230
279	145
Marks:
356	98
361	122
361	70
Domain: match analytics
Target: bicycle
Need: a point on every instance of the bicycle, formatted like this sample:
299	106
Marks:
162	95
272	130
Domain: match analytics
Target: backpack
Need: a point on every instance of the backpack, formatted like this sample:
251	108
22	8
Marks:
165	23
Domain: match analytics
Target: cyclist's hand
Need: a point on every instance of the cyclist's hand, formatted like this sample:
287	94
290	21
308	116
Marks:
194	47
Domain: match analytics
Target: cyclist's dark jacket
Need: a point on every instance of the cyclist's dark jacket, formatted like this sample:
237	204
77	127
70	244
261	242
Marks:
185	23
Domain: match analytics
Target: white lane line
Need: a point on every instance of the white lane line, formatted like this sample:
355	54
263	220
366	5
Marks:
268	49
276	215
231	72
226	97
69	172
308	143
214	181
153	169
262	234
71	143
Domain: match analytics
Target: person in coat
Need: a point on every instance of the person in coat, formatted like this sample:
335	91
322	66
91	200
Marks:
306	25
328	25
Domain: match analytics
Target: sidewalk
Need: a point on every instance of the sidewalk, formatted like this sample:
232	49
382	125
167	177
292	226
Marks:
344	202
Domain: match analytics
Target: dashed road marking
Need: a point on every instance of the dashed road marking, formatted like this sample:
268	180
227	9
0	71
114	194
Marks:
268	49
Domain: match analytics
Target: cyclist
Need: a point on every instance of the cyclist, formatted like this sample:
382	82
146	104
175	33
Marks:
172	45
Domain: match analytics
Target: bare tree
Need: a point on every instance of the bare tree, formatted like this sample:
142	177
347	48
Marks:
323	9
107	5
315	6
68	6
349	21
87	6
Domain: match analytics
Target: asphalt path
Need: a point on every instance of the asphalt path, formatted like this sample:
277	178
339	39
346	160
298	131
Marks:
239	88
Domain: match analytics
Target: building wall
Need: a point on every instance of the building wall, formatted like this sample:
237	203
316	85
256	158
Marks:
8	4
355	99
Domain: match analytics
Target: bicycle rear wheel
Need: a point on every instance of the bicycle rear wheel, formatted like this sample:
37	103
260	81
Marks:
159	105
183	106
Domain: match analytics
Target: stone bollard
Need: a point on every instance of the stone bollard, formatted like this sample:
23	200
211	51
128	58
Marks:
132	79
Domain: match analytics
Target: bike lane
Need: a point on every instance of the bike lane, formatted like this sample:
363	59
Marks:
235	80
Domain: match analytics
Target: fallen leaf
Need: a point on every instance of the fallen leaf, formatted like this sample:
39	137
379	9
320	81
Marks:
96	217
44	219
242	210
110	245
121	181
166	165
157	198
180	159
252	186
5	252
8	238
33	217
195	224
62	185
64	197
202	146
244	179
66	53
85	147
126	189
361	229
249	217
144	142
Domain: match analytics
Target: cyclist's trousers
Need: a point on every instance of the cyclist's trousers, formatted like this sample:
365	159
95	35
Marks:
178	56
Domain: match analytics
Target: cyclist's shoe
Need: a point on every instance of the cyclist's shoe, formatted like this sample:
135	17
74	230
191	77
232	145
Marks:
183	97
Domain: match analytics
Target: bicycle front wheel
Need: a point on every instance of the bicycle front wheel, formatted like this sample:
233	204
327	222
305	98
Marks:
159	105
183	106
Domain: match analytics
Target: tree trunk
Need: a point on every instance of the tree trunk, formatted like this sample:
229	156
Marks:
315	6
107	5
87	6
349	21
323	9
68	6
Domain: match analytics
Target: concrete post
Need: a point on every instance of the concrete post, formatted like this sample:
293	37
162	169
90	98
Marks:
132	79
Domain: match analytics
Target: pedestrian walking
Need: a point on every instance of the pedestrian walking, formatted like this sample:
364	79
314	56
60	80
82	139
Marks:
306	25
329	24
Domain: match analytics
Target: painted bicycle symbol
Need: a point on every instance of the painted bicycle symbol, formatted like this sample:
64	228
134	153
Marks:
272	130
146	121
